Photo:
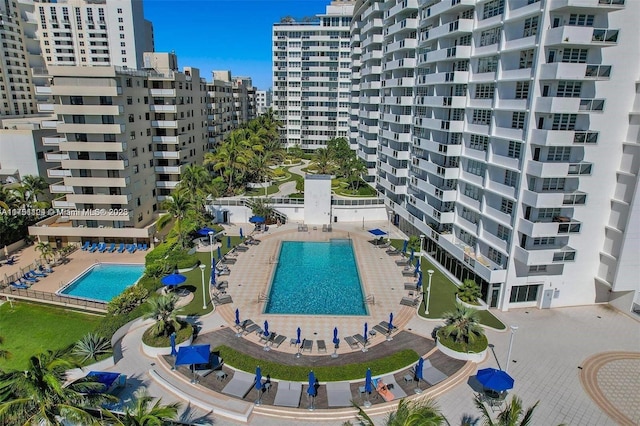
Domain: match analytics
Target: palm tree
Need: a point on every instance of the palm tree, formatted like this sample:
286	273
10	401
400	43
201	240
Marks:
45	249
422	412
195	182
141	413
323	161
462	325
34	186
356	168
512	415
163	310
38	395
179	207
231	158
91	346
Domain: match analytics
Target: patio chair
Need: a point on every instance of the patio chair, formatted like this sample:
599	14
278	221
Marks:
222	299
93	248
242	248
122	248
288	394
112	248
253	328
86	246
353	344
144	247
409	301
432	375
266	339
380	329
394	387
410	286
339	394
278	341
18	286
408	273
385	324
228	260
360	339
307	345
240	384
402	262
322	347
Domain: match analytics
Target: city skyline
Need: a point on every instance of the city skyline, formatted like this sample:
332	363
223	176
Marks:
246	51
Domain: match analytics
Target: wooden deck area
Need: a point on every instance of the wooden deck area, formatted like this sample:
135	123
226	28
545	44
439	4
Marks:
401	340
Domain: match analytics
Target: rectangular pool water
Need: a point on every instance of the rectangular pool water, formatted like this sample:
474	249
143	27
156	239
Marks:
103	281
316	278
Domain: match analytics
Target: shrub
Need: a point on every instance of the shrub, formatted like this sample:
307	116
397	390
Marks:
279	172
127	300
469	292
181	260
112	322
183	333
150	283
91	346
300	184
479	344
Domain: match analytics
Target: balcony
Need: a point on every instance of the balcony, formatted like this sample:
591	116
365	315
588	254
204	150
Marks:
58	173
559	226
160	93
596	5
170	155
53	141
62	203
88	109
99	198
553	199
93	146
167	139
553	105
563	137
163	108
488	270
55	156
91	128
544	256
171	170
96	182
567	71
60	189
95	164
82	90
581	36
168	184
164	124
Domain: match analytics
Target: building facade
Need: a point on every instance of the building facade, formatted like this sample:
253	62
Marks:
312	77
503	138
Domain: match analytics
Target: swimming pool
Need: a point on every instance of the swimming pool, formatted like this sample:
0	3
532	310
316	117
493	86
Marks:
103	281
316	278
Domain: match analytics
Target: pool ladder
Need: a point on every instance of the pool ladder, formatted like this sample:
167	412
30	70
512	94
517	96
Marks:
262	297
370	300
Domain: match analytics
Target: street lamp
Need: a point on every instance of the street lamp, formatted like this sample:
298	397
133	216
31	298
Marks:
211	246
204	293
514	328
422	237
389	225
426	306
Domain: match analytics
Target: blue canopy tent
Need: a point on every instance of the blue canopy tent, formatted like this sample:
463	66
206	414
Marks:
367	387
173	280
191	355
256	219
493	379
377	232
205	231
105	378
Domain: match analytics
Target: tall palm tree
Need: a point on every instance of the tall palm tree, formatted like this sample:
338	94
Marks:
34	186
356	168
179	208
323	161
163	310
141	413
45	249
231	157
38	394
512	415
195	182
424	412
462	325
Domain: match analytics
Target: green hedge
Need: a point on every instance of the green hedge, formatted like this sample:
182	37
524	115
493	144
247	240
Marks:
163	341
479	345
111	323
379	366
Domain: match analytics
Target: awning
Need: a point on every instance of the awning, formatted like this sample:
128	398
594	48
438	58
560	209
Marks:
377	232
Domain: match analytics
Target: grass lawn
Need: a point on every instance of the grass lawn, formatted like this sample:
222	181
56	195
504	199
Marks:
194	279
29	329
443	294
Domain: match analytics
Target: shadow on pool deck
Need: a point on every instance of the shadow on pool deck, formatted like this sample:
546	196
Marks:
402	340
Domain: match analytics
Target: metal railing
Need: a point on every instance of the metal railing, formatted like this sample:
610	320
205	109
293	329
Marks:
52	297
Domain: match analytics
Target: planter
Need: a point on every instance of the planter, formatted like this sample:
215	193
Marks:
476	357
155	352
480	307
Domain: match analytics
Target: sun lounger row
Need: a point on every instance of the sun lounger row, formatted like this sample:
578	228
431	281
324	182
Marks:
103	247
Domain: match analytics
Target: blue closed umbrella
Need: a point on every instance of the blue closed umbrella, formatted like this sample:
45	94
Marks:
312	384
237	316
419	283
404	246
419	368
367	381
219	253
336	341
266	328
213	263
493	379
228	241
212	281
173	279
172	340
258	384
411	257
298	332
366	331
391	321
241	234
417	267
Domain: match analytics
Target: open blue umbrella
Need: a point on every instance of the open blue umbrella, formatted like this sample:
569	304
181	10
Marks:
312	384
205	231
237	316
411	257
266	328
391	321
172	340
298	332
367	381
195	354
173	280
256	219
404	246
336	341
258	384
228	241
241	234
219	253
493	379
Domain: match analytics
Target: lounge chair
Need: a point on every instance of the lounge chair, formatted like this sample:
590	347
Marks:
221	285
339	394
240	384
402	262
11	260
380	329
112	248
409	301
229	260
121	249
280	339
18	286
253	328
93	248
131	248
392	251
351	342
386	325
410	286
384	245
102	247
203	370
86	246
30	279
322	347
37	274
383	390
266	339
139	246
360	339
45	269
144	247
242	248
307	345
432	375
288	394
222	299
408	273
224	271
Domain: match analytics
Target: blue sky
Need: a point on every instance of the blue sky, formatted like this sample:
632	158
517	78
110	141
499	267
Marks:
224	34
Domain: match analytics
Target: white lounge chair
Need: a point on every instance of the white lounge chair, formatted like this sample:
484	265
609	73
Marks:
288	394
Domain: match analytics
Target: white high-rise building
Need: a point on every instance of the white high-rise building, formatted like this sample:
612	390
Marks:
312	77
503	137
262	102
93	32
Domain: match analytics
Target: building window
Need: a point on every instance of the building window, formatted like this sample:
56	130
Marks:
490	36
481	116
559	153
472	192
524	293
511	178
514	149
575	56
470	215
569	89
506	206
503	233
493	8
581	20
526	58
495	256
522	90
488	64
517	120
478	142
537	269
544	241
476	167
564	122
530	27
548	213
553	184
485	91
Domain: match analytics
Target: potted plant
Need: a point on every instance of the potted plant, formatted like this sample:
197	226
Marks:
469	293
462	336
